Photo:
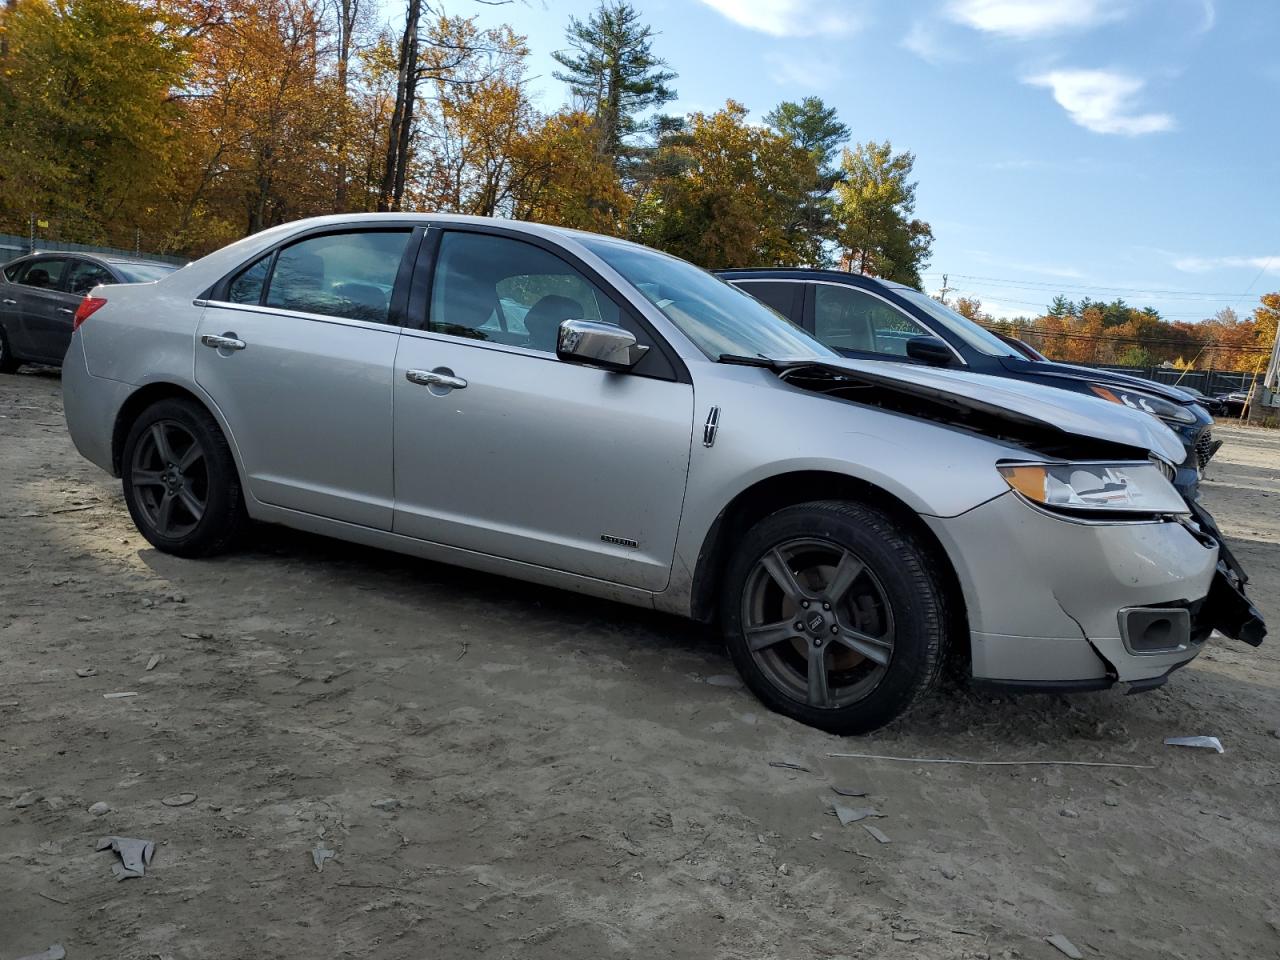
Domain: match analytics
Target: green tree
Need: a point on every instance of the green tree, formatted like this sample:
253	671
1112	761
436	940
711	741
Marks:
1061	307
875	200
87	113
613	73
812	126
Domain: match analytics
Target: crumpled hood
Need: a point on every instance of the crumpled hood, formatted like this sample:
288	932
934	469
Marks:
1069	412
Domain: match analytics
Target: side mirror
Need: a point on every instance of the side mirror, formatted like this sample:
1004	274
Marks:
598	344
930	350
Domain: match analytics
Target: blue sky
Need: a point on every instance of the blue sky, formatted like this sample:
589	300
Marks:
1110	147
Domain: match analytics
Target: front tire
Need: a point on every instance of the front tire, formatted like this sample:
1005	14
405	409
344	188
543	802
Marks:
835	615
180	480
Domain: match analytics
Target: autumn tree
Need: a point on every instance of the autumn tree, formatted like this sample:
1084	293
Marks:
875	200
559	178
87	118
613	73
729	193
814	127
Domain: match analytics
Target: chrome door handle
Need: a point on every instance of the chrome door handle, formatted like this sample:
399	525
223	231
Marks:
12	303
223	343
430	378
65	310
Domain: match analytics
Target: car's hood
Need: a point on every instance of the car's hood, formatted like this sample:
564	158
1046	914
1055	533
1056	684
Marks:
1073	372
1061	410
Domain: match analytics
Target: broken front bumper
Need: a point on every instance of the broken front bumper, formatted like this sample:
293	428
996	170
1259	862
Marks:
1058	604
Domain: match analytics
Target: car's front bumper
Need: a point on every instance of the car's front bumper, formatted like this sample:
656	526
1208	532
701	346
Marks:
1055	603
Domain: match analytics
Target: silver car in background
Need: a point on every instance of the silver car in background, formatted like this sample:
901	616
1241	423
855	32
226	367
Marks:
589	414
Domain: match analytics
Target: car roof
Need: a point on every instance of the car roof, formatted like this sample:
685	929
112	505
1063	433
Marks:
809	273
99	257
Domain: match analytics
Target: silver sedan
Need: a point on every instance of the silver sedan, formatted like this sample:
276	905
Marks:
592	415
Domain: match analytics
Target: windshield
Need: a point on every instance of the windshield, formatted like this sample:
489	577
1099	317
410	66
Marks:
981	339
718	318
143	272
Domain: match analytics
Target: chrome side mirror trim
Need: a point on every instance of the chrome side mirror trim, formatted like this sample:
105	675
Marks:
598	344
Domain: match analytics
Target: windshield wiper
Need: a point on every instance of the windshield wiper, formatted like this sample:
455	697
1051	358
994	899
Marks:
759	360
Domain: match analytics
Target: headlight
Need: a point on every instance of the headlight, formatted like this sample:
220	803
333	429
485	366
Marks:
1134	488
1156	406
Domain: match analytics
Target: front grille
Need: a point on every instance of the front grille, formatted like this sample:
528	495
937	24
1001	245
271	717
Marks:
1204	447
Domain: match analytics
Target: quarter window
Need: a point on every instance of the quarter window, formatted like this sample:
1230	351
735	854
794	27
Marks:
247	286
43	274
780	296
510	292
850	319
347	275
85	276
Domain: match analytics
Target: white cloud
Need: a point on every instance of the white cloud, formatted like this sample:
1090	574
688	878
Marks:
803	76
1021	19
1205	264
1102	101
923	40
1210	15
789	18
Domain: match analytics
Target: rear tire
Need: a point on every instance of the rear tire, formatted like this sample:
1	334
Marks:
8	362
180	480
835	615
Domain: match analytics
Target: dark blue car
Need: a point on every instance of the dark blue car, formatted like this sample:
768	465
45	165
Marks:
877	320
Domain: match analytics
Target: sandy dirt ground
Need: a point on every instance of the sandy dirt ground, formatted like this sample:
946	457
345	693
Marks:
564	777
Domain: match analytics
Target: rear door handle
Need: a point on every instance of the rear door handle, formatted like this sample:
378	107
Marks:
225	342
65	310
434	378
12	303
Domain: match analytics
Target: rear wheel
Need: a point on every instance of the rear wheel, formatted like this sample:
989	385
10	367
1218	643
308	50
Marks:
8	362
180	480
835	615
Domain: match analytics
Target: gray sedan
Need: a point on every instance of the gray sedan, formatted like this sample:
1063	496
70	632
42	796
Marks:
39	295
589	414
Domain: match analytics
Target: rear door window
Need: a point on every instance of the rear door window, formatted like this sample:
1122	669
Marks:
84	275
782	297
44	273
851	319
349	275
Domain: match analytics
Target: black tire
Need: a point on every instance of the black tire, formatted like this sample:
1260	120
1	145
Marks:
8	362
896	597
212	476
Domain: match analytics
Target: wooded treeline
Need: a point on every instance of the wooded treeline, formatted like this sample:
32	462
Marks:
199	121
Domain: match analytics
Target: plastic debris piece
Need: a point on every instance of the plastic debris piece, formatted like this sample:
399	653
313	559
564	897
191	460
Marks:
197	636
789	765
1064	946
879	835
119	696
1205	743
55	952
387	805
850	791
83	672
179	800
320	854
155	659
98	809
134	855
850	815
28	799
906	937
724	680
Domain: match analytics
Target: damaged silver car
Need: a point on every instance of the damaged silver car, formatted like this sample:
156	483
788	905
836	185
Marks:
592	415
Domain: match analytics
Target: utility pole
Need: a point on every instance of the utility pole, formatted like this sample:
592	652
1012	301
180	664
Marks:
942	294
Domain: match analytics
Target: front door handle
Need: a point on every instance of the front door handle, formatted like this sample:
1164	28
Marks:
225	342
435	378
65	310
12	303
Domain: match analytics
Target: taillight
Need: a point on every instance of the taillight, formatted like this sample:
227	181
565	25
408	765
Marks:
88	306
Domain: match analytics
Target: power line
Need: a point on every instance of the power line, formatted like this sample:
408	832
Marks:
1088	287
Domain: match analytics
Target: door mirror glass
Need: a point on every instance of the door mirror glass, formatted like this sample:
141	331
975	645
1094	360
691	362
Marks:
598	345
930	350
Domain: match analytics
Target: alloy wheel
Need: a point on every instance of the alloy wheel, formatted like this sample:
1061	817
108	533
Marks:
170	477
818	622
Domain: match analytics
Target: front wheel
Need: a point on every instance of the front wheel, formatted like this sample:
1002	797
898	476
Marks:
180	480
835	615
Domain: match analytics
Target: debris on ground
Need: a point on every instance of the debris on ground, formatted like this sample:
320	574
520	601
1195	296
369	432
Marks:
1065	946
119	696
155	659
134	855
995	763
906	937
179	800
83	672
99	809
1069	813
54	952
1204	743
197	636
27	799
850	815
725	680
387	805
789	765
878	834
850	791
320	854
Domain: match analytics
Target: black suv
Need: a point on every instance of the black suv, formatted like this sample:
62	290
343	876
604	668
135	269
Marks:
877	320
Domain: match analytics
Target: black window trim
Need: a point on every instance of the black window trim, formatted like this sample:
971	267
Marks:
397	308
419	305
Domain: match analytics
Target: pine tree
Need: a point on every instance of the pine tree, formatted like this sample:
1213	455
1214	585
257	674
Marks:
814	128
612	72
